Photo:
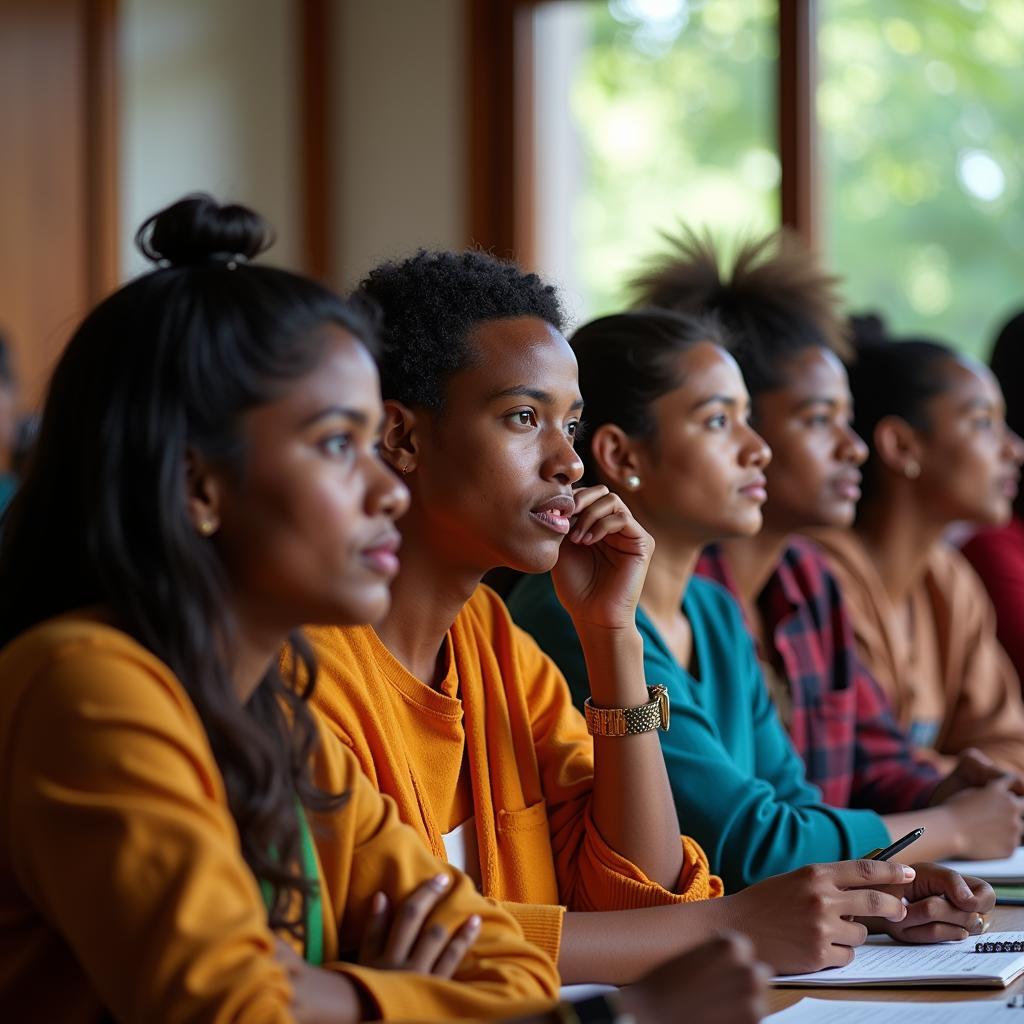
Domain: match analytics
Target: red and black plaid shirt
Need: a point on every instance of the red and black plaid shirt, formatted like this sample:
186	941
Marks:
841	725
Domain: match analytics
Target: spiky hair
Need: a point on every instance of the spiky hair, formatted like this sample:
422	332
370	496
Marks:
776	301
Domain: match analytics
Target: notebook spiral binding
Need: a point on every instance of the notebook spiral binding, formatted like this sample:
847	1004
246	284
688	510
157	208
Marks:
999	947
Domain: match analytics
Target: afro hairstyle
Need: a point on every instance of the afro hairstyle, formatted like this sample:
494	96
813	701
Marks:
429	306
775	302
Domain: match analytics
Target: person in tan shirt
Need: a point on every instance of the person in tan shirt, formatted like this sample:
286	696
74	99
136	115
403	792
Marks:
940	453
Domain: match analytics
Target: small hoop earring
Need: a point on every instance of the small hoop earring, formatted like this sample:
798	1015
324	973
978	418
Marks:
207	527
912	470
632	482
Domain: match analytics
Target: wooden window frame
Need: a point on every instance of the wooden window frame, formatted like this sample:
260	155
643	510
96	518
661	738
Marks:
500	195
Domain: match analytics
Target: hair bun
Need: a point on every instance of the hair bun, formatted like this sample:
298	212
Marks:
196	228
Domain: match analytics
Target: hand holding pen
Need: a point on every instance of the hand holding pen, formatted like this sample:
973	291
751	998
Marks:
942	905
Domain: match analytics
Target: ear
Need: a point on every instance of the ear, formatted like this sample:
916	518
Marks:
398	443
615	456
898	446
203	493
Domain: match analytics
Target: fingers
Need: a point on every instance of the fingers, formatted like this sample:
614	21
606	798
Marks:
871	903
409	920
852	874
601	515
934	932
445	965
935	910
935	880
376	932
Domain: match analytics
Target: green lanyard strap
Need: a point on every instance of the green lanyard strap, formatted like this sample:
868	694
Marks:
314	951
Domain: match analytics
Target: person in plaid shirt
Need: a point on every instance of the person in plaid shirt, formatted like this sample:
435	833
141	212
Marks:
788	335
837	717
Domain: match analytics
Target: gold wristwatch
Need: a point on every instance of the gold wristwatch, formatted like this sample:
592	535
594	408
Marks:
629	721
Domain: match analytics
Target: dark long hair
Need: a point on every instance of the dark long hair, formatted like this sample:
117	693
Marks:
626	362
168	363
892	377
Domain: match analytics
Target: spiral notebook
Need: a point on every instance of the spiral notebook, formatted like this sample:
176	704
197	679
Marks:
882	963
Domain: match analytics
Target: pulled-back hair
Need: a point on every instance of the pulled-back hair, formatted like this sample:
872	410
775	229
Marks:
629	360
892	377
431	303
1007	362
167	364
775	302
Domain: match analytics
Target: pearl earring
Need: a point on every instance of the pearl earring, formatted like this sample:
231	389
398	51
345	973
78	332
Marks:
207	527
912	470
632	482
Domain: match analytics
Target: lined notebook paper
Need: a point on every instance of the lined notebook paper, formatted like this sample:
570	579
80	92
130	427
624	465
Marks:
836	1011
1010	870
883	963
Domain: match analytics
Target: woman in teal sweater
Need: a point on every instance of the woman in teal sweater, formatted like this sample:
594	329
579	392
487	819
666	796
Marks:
668	414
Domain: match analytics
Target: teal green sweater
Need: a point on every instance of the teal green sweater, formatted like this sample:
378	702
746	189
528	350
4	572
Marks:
739	785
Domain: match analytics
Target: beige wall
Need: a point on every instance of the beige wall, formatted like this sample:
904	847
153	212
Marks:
209	102
399	133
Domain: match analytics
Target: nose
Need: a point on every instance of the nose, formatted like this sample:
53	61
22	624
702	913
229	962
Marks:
562	464
386	494
1014	446
755	450
851	448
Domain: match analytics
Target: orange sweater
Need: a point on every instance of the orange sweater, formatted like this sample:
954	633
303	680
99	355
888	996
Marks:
122	887
530	758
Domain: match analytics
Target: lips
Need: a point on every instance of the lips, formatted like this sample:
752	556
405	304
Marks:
381	553
555	512
756	489
847	487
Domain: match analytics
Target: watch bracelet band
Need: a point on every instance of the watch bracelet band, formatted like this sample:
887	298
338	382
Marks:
628	721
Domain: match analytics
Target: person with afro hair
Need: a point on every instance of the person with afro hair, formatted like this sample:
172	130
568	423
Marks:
460	717
783	313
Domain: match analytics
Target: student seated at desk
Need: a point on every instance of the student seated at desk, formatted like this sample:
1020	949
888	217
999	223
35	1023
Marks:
996	552
460	717
180	840
670	432
940	453
787	334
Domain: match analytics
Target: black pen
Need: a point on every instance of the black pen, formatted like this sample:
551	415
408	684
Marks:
900	844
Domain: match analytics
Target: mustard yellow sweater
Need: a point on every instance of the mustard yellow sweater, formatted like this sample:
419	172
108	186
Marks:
530	758
122	887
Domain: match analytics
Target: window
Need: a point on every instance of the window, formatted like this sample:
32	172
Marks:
647	114
920	128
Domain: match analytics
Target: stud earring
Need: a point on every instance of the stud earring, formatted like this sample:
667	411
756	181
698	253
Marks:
912	470
207	527
632	482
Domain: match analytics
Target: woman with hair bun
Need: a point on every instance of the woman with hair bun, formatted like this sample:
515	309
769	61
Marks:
180	841
940	453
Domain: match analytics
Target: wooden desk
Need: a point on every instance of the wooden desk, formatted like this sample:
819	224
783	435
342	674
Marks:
1004	919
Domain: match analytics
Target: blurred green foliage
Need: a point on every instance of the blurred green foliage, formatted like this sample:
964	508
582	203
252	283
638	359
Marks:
921	140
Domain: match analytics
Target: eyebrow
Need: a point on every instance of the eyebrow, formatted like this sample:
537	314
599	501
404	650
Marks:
525	391
723	399
355	415
816	400
979	403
